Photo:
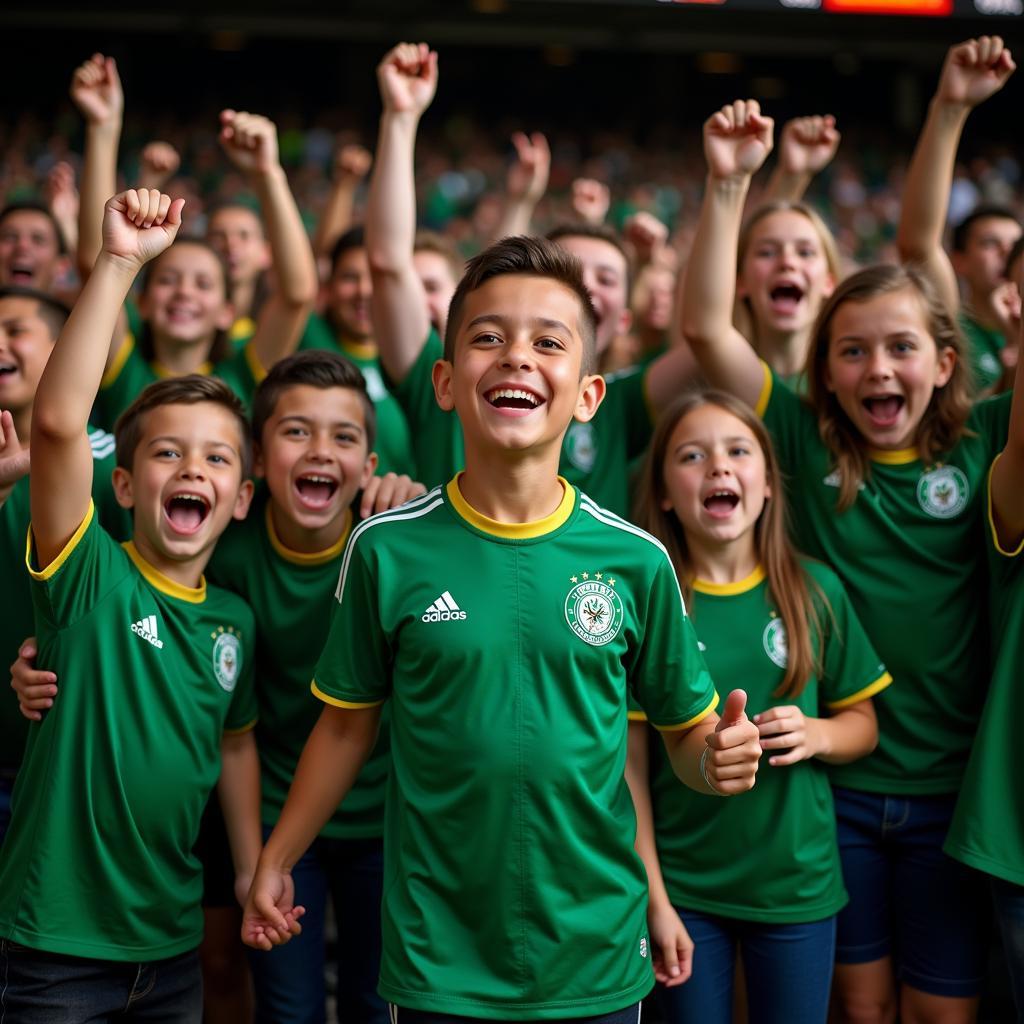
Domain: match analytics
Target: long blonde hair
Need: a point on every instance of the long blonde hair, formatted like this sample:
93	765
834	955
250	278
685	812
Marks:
795	594
944	421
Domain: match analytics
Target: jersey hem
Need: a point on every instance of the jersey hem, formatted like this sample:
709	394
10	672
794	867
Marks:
870	690
100	951
898	787
690	722
988	865
801	915
241	730
339	703
411	999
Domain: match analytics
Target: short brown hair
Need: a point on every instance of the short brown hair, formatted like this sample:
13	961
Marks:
431	241
316	368
188	390
944	421
534	257
52	311
602	233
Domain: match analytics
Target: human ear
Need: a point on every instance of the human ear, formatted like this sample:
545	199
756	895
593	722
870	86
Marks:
591	395
441	375
123	492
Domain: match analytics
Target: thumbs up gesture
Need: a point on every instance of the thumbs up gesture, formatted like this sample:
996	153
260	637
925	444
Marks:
729	763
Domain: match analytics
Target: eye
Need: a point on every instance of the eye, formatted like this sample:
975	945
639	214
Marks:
850	351
167	453
739	449
549	343
903	347
217	460
346	438
296	432
691	455
487	338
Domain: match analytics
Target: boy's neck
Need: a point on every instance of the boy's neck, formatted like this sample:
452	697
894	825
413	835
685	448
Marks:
728	562
188	573
179	358
303	541
784	351
512	487
242	295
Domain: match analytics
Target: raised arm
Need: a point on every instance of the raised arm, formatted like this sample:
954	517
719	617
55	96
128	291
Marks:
63	200
96	92
526	184
351	165
136	226
250	142
806	147
1008	474
407	77
973	71
591	200
158	163
737	139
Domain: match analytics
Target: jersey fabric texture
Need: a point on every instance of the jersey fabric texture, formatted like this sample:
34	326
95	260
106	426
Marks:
988	827
98	860
394	444
511	886
770	855
595	456
130	373
16	621
907	551
291	595
985	347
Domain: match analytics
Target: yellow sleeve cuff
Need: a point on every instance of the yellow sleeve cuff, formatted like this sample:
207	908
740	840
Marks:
690	723
766	391
335	702
877	686
47	571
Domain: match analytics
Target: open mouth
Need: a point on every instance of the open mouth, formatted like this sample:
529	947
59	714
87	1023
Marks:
721	503
7	370
22	274
786	297
513	398
186	512
315	490
884	410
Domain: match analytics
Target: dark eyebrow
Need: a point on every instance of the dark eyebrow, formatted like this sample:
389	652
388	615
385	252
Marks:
497	318
306	421
164	438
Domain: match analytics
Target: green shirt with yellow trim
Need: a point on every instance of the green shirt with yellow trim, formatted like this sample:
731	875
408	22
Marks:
291	596
16	621
985	347
394	444
98	859
596	456
130	373
909	554
987	831
771	854
511	890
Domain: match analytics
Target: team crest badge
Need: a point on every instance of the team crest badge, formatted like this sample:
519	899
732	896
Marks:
943	492
593	609
227	657
581	446
776	646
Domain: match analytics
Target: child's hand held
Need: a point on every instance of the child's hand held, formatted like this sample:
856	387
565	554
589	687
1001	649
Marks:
786	728
96	90
250	141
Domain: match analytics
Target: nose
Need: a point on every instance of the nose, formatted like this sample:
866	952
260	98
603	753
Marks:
518	353
787	256
879	367
193	466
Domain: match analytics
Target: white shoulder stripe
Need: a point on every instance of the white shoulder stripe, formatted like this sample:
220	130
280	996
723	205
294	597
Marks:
610	519
413	510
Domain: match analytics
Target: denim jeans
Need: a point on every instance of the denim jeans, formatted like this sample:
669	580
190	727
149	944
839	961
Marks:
788	971
289	979
50	988
1009	903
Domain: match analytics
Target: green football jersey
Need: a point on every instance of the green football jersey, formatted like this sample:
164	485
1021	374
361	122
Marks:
908	551
290	594
394	444
984	348
511	887
130	373
16	620
98	860
596	456
988	827
770	854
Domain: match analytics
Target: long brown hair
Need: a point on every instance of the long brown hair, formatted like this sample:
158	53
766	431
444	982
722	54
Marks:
944	421
794	593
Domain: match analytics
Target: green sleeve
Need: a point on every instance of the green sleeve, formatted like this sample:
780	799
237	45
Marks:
242	372
852	671
121	384
668	675
627	402
317	335
354	669
88	568
790	421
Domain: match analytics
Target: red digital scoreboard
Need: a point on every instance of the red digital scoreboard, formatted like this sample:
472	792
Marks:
912	8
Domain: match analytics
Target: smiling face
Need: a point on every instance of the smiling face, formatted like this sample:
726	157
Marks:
237	234
435	274
516	380
349	292
987	247
26	341
186	482
716	478
29	250
314	455
185	299
606	276
784	274
883	366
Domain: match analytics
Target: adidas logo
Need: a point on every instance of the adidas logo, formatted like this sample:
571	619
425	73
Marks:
102	444
146	628
444	609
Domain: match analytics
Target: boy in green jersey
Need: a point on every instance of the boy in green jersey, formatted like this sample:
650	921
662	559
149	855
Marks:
507	617
99	889
595	454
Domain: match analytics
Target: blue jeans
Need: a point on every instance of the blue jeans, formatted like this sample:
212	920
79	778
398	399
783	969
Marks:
49	988
289	979
629	1015
788	971
908	899
1009	903
6	787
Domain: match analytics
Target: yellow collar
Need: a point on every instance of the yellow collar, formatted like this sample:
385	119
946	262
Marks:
308	557
729	589
358	349
163	373
898	457
155	578
513	531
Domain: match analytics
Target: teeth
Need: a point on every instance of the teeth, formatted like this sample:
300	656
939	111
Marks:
513	393
313	479
189	497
